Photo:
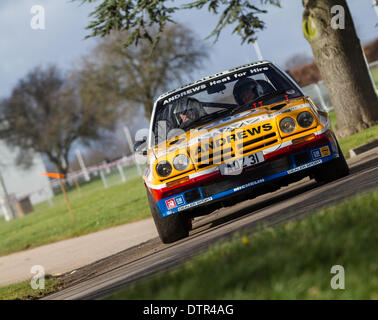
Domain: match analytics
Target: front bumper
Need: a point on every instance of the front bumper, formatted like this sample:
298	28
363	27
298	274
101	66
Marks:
298	160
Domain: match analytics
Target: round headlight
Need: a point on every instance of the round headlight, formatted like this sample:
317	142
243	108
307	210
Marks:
164	169
181	162
287	125
305	119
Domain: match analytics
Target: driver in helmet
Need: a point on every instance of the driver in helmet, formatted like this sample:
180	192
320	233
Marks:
246	90
186	111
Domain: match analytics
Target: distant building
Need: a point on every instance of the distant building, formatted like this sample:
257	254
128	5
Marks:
19	183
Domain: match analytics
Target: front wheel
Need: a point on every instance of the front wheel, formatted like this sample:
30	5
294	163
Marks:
171	228
334	169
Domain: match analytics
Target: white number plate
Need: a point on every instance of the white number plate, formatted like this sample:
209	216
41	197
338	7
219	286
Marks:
235	167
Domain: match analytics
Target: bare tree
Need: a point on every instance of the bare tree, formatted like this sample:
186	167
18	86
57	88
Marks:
135	75
45	113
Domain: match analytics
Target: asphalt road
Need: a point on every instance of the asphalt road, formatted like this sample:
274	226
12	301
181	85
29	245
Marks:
106	276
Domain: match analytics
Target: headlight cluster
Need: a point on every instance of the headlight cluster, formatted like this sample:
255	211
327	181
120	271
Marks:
304	119
180	162
164	169
287	125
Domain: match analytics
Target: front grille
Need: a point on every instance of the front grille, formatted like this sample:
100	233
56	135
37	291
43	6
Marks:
217	157
253	174
258	143
192	195
301	158
253	141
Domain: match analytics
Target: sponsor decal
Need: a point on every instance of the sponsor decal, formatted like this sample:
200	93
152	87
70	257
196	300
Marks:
325	151
179	200
171	204
240	135
197	203
316	154
185	93
223	73
250	184
305	166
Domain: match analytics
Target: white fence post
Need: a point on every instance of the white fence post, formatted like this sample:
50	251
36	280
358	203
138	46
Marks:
103	179
131	146
82	165
120	169
319	93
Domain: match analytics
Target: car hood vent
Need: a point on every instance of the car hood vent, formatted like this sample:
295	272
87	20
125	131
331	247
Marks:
278	106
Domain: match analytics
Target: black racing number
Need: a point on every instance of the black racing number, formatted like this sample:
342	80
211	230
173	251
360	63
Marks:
253	158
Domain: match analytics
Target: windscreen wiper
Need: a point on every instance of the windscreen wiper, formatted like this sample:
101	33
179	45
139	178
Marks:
263	97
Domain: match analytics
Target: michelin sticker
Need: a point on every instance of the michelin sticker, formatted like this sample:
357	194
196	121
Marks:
249	185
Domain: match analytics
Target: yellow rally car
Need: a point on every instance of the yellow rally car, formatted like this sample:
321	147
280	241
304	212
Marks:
229	137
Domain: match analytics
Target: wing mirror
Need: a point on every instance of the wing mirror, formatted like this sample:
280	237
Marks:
140	146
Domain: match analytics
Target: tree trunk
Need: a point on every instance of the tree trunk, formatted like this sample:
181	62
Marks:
339	57
61	169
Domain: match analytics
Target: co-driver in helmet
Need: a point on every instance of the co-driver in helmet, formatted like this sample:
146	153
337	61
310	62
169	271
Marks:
246	90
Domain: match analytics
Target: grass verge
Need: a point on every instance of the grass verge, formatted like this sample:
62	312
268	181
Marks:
374	73
96	209
24	291
358	139
355	140
291	261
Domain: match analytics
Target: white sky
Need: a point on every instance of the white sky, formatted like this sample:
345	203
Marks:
62	42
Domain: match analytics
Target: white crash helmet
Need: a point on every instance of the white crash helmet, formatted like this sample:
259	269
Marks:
186	106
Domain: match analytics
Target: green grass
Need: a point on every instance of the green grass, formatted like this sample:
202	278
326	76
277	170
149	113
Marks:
24	291
332	116
291	261
374	73
355	140
358	139
96	209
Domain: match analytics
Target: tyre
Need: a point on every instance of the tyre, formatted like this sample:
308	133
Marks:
171	228
334	169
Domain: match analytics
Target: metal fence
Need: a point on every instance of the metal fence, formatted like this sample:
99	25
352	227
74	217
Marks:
119	171
104	175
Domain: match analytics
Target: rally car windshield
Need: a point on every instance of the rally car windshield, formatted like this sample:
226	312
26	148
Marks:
230	93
